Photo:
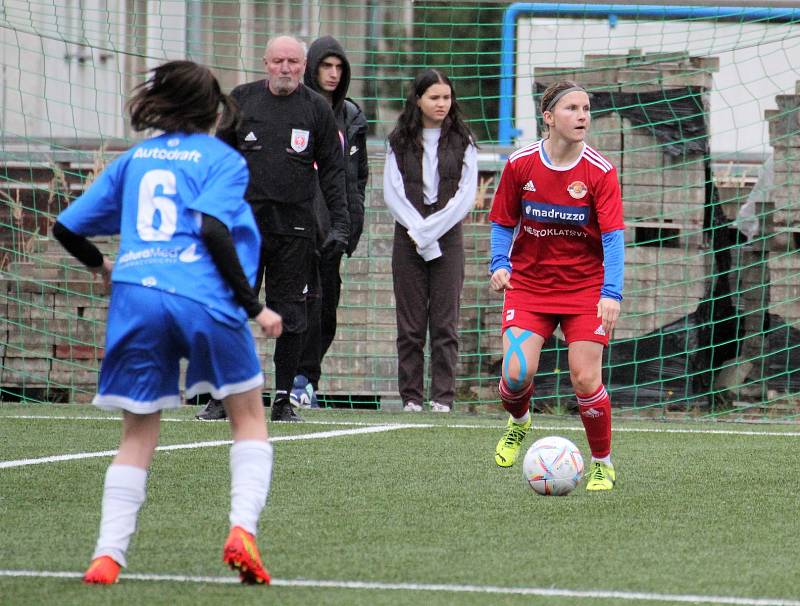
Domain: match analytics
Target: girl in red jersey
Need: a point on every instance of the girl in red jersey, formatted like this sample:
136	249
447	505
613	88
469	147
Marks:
558	254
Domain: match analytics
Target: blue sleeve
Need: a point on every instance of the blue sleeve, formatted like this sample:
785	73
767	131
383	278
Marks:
614	264
98	212
502	237
222	197
223	190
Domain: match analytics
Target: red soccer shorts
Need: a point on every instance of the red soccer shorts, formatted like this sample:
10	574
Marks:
576	327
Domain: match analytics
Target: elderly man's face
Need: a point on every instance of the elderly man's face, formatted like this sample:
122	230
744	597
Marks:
285	63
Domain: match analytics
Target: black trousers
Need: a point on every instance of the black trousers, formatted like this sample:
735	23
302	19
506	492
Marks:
285	292
322	304
427	296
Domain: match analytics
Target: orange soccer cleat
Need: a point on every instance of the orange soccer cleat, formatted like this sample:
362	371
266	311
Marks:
102	571
240	553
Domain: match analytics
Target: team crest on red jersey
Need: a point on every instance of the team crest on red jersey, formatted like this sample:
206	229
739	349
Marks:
577	189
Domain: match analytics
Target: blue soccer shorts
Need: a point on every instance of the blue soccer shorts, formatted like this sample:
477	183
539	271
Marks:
147	334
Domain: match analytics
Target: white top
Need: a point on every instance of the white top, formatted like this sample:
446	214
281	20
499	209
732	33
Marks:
430	165
426	232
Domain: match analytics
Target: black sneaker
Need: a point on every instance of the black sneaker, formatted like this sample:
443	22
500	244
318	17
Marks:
213	411
282	410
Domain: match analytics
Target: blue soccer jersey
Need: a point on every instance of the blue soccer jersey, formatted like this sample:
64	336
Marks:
153	196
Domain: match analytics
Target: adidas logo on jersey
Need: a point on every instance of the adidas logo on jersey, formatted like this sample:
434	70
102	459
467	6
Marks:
250	137
592	413
529	186
600	331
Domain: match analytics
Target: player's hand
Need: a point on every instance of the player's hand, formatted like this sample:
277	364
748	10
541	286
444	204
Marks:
501	280
104	271
608	311
270	322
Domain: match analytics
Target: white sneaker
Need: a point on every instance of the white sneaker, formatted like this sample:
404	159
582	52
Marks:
436	407
412	407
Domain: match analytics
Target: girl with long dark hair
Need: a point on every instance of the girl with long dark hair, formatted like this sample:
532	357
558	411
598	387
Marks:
429	183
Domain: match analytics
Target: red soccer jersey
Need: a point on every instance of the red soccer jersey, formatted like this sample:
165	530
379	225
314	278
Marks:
559	214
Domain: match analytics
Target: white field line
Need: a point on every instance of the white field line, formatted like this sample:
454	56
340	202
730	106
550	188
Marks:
680	430
485	589
76	418
361	428
110	453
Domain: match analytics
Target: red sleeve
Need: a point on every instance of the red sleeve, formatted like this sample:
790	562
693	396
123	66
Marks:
608	203
506	206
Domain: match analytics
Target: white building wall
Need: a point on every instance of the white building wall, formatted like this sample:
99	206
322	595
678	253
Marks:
66	66
61	69
63	63
166	31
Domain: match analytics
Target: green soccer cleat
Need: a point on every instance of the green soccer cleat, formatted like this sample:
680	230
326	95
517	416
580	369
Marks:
601	476
506	451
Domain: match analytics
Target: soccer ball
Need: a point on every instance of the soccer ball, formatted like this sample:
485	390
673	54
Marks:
553	466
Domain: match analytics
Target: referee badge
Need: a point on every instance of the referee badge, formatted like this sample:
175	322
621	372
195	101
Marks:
299	140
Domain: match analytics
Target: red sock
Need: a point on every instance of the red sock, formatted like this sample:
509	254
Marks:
596	416
517	403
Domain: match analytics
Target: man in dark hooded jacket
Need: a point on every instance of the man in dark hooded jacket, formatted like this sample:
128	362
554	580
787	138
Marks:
328	73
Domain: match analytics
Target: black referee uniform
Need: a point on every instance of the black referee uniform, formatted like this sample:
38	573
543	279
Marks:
292	146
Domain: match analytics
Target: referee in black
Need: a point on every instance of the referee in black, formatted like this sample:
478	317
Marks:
288	136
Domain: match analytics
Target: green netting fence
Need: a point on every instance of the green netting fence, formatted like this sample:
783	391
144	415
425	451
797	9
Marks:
698	107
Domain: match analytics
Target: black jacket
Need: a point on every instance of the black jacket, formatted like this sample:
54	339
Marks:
282	137
353	125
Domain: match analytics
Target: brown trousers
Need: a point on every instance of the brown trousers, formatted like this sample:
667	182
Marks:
428	297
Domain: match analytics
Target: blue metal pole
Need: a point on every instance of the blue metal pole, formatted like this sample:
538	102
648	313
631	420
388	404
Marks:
506	129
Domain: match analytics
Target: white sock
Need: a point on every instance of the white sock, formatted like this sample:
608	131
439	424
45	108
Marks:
606	460
251	473
123	495
523	419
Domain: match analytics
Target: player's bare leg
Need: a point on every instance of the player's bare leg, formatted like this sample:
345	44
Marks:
522	349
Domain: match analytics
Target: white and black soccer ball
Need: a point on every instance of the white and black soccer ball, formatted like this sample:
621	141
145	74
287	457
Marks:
553	466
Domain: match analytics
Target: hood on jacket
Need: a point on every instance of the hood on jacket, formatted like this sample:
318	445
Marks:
319	49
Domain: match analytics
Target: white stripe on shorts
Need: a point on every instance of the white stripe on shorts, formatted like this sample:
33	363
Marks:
225	390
